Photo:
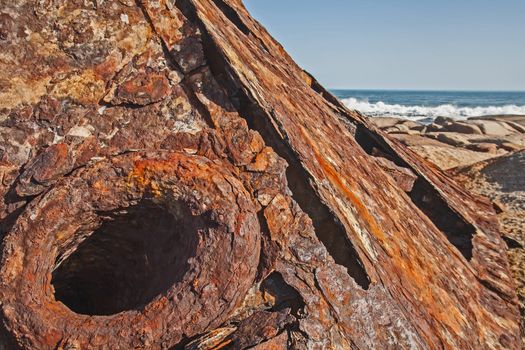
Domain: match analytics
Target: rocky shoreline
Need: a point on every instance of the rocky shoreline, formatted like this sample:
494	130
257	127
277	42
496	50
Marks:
450	143
487	156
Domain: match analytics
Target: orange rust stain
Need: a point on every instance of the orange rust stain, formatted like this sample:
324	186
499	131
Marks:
101	187
335	178
429	297
105	70
144	169
222	345
62	149
56	307
323	308
52	337
272	347
155	86
238	224
30	277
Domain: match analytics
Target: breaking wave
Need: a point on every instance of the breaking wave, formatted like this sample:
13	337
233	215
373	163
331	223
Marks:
380	109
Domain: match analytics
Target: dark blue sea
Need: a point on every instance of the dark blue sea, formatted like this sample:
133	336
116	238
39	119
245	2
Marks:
427	105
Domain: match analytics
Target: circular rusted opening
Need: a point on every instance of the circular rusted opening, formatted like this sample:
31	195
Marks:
159	245
135	255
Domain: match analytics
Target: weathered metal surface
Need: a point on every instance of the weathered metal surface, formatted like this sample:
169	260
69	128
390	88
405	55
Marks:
219	247
174	154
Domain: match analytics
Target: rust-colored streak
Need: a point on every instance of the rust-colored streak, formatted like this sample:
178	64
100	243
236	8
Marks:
336	178
222	345
167	173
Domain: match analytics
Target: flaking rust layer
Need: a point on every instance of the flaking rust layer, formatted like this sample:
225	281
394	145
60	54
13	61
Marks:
171	179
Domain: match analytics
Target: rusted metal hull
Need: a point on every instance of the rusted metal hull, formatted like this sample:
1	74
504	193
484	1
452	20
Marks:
172	179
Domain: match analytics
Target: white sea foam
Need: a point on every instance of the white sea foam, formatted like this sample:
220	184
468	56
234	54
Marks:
421	112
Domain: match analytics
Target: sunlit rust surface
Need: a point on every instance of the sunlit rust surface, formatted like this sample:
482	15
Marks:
230	201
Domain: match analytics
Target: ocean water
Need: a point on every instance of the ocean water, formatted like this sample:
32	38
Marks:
424	106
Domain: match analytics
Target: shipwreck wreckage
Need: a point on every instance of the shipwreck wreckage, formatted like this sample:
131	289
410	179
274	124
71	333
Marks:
171	179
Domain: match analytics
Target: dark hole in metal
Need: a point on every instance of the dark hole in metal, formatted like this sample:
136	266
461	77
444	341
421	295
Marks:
135	255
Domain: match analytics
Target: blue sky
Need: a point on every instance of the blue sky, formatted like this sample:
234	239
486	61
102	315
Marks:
404	44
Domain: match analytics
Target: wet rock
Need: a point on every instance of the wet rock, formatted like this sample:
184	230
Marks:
420	128
443	120
434	128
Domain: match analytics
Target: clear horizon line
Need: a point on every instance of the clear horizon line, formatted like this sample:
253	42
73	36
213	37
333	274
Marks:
427	90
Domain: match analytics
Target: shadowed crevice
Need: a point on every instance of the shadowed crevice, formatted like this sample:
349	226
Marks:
458	231
232	15
329	230
286	297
